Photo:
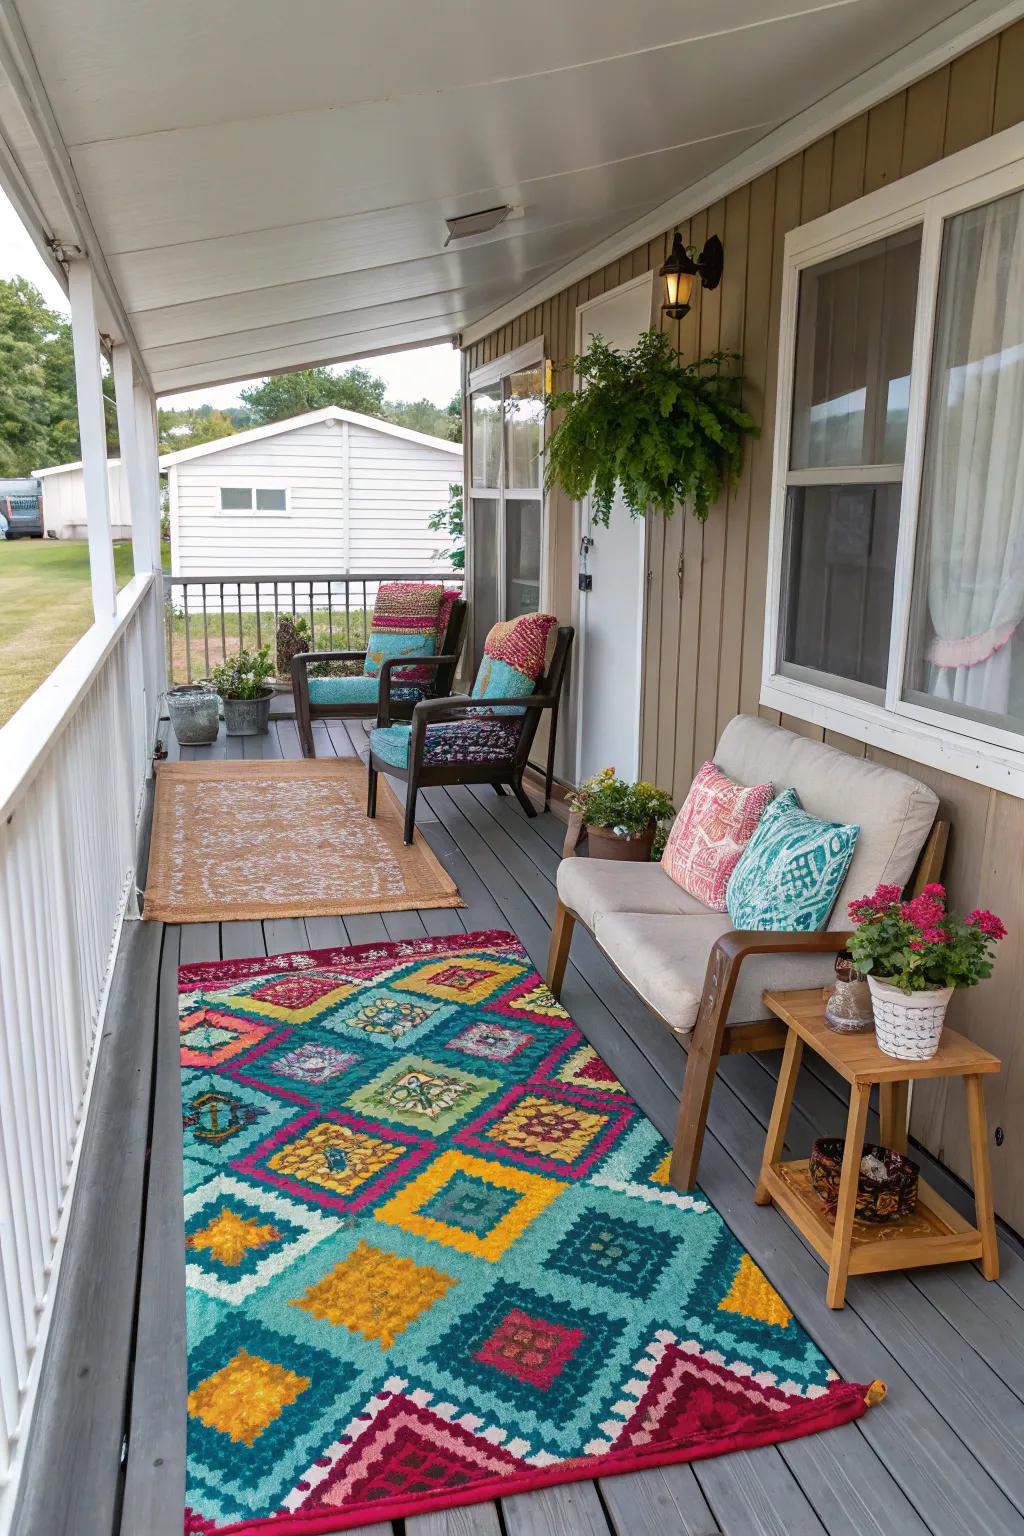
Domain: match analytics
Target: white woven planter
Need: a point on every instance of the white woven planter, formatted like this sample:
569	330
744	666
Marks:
908	1025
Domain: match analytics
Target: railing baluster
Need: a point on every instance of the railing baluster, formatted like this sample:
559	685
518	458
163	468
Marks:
259	634
206	634
241	635
188	635
223	630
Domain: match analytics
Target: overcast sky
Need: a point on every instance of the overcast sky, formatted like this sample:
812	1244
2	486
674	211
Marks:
430	372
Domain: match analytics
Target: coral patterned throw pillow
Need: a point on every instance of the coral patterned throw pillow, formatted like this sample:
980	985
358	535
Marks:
710	833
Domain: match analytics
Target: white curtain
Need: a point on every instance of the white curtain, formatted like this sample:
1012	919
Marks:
974	465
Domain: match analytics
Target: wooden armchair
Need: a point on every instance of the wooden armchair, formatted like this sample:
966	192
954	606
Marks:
468	740
646	925
358	697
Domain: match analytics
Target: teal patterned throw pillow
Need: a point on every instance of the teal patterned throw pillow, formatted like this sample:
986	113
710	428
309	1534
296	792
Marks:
790	872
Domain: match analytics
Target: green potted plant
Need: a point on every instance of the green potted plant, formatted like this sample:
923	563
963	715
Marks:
242	682
915	955
621	819
667	432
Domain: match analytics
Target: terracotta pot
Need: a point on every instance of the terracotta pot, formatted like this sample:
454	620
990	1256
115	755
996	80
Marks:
602	843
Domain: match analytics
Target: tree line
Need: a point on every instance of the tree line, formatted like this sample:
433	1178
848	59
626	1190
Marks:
39	414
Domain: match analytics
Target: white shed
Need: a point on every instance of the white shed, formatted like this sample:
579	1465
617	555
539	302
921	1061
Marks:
325	493
64	501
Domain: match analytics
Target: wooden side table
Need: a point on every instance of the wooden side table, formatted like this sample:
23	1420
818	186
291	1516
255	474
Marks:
934	1233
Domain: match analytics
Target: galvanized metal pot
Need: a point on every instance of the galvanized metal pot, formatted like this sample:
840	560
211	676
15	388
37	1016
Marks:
248	717
195	714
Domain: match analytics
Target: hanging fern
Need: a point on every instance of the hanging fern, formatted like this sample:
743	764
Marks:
666	432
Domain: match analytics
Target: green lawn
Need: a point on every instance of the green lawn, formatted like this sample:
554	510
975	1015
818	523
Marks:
45	606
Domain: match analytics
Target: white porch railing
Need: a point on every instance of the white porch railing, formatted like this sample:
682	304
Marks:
73	766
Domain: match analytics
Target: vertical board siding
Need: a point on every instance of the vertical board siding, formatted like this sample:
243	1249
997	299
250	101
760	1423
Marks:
706	585
394	487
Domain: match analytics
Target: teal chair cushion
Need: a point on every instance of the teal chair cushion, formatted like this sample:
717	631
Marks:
358	690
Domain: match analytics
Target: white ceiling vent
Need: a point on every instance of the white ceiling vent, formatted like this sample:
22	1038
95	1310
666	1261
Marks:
476	223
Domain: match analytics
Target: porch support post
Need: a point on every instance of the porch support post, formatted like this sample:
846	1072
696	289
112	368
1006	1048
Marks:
93	433
133	469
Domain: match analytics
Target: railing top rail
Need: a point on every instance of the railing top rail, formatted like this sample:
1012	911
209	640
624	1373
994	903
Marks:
32	731
320	577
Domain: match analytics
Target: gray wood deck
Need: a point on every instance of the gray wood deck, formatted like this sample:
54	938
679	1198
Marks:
944	1454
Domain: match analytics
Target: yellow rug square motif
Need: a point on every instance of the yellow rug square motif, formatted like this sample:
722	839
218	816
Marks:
228	1237
541	1126
459	981
244	1396
751	1295
535	1195
266	1009
334	1156
585	1069
376	1294
538	1000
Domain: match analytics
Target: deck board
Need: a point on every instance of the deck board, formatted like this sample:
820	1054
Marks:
943	1457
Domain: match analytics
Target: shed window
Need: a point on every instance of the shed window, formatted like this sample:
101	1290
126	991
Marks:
244	498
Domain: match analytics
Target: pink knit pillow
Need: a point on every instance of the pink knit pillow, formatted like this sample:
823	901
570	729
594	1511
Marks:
711	831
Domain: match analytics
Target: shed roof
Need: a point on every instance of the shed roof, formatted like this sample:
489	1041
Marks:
308	419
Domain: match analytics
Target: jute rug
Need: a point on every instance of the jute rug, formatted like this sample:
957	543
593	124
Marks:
433	1258
282	839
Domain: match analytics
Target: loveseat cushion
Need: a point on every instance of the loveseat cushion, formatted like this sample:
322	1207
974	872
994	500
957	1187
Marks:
894	811
593	887
715	824
665	958
791	871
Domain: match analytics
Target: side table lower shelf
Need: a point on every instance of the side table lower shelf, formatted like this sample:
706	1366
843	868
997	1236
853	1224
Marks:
934	1233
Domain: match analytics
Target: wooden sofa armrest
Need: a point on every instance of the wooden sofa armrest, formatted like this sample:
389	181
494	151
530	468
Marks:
724	962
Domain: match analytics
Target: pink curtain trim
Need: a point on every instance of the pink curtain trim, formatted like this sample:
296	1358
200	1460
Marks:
973	649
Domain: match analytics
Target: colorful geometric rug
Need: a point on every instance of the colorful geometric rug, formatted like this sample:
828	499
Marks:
433	1256
237	839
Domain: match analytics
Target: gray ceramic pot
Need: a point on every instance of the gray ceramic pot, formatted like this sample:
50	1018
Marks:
195	714
248	717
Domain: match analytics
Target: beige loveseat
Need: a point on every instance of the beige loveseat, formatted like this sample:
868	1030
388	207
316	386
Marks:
703	979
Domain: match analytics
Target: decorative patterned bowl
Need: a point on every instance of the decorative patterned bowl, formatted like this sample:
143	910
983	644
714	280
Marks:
878	1200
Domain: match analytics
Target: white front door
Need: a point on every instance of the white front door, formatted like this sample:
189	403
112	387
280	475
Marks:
613	565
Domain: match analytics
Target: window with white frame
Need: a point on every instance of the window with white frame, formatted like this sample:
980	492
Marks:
506	488
896	584
250	498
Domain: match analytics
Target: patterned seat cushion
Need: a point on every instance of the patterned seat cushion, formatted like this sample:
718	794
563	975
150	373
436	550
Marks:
359	690
450	741
405	619
708	836
790	872
515	655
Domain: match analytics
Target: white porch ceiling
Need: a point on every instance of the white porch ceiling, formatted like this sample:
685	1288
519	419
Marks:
269	183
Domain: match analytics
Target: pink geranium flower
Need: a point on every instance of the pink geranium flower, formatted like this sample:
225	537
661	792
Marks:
989	924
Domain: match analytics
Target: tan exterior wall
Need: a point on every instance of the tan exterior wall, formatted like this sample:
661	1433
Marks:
707	588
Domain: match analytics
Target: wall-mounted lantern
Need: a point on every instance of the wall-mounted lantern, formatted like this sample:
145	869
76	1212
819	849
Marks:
680	270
